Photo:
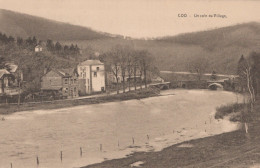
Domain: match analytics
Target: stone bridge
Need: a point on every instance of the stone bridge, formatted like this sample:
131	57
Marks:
215	86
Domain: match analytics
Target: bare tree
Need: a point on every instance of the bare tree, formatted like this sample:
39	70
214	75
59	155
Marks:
199	65
130	65
135	66
123	63
145	61
113	61
246	78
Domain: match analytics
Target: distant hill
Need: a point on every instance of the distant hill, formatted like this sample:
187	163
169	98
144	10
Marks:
242	35
23	25
222	47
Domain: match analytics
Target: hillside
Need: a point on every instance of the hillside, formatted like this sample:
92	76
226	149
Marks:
221	47
23	25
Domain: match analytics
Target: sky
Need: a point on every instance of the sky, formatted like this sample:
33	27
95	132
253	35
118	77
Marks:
141	18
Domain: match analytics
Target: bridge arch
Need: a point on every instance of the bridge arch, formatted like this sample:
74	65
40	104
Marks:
215	86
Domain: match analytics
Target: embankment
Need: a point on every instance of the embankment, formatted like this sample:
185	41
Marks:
139	94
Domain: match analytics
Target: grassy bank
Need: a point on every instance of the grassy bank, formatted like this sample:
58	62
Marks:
234	111
234	149
139	94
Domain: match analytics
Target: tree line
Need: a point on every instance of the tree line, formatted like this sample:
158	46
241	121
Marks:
125	62
66	51
62	50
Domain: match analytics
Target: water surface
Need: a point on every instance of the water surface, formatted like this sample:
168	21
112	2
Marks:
152	123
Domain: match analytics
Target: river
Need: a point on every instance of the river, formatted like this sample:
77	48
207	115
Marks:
119	128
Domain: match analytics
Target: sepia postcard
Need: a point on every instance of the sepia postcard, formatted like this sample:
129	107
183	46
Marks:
129	84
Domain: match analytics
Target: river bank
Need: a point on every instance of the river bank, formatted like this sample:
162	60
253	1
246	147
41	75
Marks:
138	94
234	149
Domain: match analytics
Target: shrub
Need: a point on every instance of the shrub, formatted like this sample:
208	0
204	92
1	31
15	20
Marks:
225	110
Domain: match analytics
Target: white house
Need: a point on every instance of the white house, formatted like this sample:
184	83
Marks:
38	48
91	77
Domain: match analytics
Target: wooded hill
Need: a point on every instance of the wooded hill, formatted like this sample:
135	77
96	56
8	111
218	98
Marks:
221	48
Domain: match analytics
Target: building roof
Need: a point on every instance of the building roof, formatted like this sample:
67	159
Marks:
3	72
12	67
66	72
91	62
38	46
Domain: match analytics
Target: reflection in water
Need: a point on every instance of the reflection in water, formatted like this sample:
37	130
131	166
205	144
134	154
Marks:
80	131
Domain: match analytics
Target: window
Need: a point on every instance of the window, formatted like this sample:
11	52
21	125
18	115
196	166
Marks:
95	74
71	91
97	68
75	91
65	81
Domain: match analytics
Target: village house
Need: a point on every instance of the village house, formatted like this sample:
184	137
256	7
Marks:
61	82
9	80
91	77
8	85
38	48
4	80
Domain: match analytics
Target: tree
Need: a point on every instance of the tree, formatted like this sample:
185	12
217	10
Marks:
254	61
135	65
50	45
145	63
3	38
77	49
58	47
248	72
72	49
34	41
112	59
10	39
213	75
122	55
19	41
244	71
199	65
29	41
130	66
